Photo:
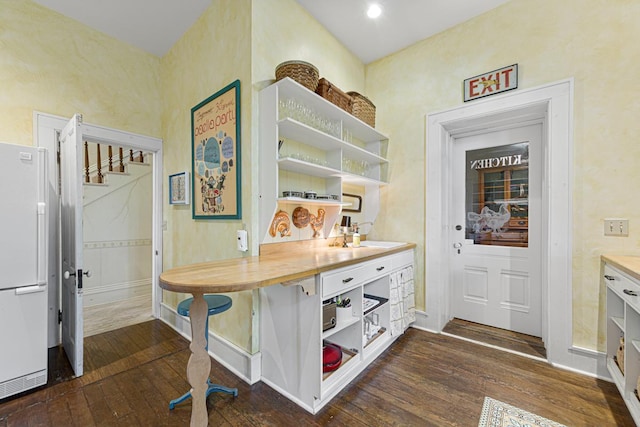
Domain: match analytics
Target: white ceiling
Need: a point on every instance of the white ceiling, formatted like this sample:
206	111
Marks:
155	25
151	25
402	23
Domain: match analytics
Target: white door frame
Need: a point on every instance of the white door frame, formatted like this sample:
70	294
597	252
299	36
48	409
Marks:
551	105
45	127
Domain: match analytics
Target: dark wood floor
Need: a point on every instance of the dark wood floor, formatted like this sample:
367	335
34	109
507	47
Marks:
522	343
424	379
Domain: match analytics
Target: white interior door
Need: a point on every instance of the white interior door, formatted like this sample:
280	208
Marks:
496	233
71	241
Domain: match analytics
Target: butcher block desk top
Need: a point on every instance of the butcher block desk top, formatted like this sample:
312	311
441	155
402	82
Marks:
294	263
628	264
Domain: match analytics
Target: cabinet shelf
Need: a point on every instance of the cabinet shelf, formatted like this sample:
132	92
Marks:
288	88
381	302
347	357
636	345
303	201
360	180
380	333
340	326
307	168
293	129
619	322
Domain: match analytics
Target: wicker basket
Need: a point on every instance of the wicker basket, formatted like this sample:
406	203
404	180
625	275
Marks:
363	109
334	95
302	72
619	359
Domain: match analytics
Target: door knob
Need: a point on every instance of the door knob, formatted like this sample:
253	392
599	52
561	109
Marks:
457	245
458	227
68	274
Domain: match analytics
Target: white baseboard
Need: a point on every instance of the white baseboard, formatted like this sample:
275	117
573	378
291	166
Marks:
241	363
116	292
422	322
586	362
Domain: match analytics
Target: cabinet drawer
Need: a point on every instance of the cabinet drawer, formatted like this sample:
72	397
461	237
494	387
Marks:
377	268
340	281
618	282
343	279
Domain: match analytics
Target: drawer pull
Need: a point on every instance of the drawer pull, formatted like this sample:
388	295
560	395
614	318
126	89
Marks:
380	268
347	280
521	223
608	277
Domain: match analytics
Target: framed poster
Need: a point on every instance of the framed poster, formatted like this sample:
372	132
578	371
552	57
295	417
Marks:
179	188
215	150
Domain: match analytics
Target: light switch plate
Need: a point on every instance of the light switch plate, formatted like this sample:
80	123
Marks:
616	227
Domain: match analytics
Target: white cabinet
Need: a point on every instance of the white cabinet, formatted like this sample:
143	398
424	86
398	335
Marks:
308	144
292	336
623	322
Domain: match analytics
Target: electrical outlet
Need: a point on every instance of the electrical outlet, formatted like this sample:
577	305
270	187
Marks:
242	240
616	227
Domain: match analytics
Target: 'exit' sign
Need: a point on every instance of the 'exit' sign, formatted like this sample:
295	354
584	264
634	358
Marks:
491	83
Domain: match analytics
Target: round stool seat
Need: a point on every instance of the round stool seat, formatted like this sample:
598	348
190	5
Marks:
216	303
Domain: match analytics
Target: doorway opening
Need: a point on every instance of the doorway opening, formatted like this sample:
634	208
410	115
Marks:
495	204
550	106
117	236
47	129
511	341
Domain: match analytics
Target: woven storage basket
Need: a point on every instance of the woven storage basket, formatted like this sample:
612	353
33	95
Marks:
363	109
620	355
334	95
302	72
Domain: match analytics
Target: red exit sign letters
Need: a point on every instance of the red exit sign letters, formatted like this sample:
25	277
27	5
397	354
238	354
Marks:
491	83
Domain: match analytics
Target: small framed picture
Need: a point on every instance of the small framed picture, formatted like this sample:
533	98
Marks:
179	188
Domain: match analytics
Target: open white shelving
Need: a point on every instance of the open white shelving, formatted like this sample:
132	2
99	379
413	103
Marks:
623	321
292	328
321	162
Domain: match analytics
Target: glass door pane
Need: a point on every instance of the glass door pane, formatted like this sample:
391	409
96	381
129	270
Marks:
497	196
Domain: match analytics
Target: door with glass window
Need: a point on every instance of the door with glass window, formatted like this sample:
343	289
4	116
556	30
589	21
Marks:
496	226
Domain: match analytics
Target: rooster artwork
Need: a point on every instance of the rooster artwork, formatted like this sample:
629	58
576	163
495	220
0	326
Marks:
488	219
317	222
302	217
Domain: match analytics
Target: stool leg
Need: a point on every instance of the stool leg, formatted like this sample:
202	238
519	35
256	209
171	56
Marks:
211	387
215	388
180	399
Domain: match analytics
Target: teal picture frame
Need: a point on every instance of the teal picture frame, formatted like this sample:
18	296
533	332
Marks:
216	176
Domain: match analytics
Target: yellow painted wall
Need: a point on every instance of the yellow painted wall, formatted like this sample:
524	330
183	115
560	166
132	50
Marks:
243	40
214	52
594	42
282	31
53	64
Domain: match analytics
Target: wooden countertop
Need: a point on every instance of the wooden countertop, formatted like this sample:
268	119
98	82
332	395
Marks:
628	264
240	274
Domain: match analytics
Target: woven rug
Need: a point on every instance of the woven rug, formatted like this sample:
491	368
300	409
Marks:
499	414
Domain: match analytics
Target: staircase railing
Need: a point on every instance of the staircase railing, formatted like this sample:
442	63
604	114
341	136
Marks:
93	171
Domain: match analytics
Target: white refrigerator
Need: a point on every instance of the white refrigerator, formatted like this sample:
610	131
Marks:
23	268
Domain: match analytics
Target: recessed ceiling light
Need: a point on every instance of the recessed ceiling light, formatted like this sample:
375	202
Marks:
374	11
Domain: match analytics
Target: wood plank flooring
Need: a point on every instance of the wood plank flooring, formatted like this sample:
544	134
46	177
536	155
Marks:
514	341
115	315
424	379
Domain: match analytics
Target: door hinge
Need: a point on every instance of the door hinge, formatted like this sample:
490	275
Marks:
59	316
